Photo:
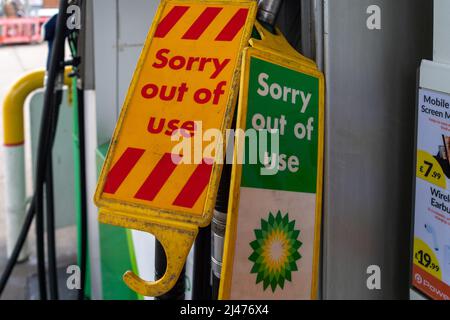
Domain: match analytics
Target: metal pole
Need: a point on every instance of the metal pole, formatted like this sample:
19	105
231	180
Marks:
50	201
219	223
15	196
268	11
14	163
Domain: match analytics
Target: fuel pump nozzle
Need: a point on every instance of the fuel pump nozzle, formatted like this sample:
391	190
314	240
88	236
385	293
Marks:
268	11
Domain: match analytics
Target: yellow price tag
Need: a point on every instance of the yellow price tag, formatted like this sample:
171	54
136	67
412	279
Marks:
425	258
429	169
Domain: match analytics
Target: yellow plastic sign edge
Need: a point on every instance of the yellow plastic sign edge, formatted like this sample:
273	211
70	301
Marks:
177	235
177	241
297	65
277	44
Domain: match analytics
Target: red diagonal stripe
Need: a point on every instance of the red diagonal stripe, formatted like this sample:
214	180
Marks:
202	23
159	176
170	21
122	169
195	186
234	26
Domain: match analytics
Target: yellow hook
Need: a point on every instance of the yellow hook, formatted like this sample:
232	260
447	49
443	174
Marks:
276	43
177	241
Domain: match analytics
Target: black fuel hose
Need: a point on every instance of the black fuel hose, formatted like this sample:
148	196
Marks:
73	39
202	290
50	207
46	139
83	196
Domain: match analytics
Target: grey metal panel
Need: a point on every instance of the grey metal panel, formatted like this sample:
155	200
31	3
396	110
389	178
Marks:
297	22
289	22
63	160
105	51
307	29
120	28
134	21
86	44
101	115
371	90
441	28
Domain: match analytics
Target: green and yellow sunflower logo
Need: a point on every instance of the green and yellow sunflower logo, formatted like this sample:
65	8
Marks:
275	251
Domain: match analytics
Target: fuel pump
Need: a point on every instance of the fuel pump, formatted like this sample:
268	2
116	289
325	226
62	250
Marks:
128	199
267	14
177	195
365	184
274	214
45	146
55	80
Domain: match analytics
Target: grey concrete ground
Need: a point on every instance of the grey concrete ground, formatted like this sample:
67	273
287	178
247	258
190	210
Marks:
14	62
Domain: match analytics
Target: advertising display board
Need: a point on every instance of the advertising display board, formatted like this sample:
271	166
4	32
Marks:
431	255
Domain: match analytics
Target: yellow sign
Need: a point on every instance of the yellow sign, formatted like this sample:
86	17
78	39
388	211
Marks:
429	169
272	242
186	81
425	259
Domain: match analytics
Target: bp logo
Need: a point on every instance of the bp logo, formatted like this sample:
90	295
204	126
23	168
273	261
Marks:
275	251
